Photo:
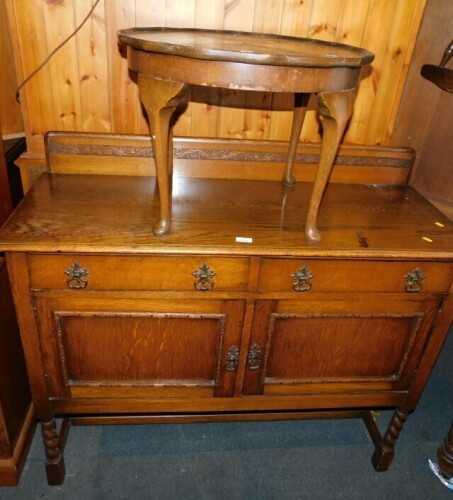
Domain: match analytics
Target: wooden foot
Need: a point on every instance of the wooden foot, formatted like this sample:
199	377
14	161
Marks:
445	455
55	468
160	99
335	110
300	108
385	448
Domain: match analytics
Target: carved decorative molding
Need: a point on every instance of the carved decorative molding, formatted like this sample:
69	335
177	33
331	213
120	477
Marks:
99	150
239	155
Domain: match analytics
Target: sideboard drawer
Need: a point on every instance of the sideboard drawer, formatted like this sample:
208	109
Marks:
310	275
108	272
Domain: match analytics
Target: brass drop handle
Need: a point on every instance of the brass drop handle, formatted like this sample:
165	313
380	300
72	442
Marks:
254	357
204	281
77	276
414	281
232	359
302	279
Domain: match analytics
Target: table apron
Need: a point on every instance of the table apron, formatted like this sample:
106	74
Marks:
241	76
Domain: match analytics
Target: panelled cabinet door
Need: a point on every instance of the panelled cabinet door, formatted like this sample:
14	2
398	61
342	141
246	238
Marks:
140	347
308	347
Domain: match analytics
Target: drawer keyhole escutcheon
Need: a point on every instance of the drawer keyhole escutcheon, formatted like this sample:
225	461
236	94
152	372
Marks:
77	276
254	357
204	281
414	281
232	359
301	280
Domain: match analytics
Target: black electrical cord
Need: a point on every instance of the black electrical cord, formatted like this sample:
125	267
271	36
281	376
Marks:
54	51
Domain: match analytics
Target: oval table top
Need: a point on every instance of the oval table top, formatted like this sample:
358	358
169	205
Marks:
242	47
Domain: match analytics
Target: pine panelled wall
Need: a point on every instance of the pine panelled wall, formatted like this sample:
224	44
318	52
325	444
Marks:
10	116
87	86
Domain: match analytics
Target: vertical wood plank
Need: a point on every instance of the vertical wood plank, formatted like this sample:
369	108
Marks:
104	98
125	108
404	13
37	100
350	30
181	15
9	109
209	14
296	17
375	37
324	20
266	19
231	124
149	13
93	68
409	38
414	121
239	14
323	26
351	22
295	22
59	24
425	110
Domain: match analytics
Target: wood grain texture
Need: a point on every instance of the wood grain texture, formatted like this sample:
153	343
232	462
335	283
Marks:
59	26
6	204
16	411
111	154
424	116
108	97
114	154
38	107
9	109
166	60
357	340
365	333
211	213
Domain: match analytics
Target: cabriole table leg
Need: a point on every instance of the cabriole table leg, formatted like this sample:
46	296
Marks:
160	98
300	108
335	110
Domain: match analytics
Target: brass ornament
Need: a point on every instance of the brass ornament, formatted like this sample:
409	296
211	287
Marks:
77	276
254	357
414	281
232	359
204	281
302	279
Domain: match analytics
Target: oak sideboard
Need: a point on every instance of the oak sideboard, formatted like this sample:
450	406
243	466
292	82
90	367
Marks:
233	315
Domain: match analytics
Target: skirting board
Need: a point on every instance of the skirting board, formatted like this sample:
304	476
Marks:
91	153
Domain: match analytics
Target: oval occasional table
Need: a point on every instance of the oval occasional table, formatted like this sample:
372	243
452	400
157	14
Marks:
168	60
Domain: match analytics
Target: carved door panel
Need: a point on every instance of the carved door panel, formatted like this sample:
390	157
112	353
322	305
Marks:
307	347
141	348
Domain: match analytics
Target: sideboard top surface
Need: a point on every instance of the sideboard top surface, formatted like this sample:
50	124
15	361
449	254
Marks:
101	214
